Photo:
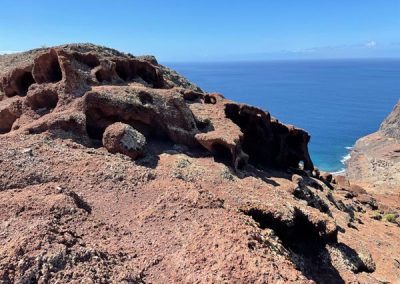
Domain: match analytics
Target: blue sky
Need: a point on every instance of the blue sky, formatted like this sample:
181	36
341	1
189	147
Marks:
187	30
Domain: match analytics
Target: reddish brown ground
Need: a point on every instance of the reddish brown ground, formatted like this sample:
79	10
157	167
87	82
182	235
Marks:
216	196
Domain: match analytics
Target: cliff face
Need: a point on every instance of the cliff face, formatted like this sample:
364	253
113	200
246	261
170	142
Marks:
391	125
117	169
375	159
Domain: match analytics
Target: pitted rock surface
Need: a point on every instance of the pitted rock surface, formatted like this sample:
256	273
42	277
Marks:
214	194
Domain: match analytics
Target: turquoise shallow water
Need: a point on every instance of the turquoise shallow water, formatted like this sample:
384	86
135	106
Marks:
337	102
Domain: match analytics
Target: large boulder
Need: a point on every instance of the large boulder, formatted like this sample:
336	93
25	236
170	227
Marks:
123	138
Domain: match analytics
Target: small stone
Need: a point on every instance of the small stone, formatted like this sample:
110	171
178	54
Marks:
297	179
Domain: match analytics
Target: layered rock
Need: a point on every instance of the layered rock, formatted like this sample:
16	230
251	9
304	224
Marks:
375	159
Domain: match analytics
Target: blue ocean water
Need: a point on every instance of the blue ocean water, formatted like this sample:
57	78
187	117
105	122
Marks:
336	101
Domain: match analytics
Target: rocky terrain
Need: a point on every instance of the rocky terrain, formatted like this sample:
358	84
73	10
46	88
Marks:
115	169
375	159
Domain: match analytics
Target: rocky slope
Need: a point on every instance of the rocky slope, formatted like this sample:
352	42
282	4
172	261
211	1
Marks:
375	159
115	169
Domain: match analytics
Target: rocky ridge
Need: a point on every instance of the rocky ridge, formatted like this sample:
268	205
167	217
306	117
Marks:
375	159
116	169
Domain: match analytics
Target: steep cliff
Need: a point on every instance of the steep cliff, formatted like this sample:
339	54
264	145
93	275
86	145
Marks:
375	159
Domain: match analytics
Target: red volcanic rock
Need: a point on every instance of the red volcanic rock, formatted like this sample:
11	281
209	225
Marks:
211	199
123	138
107	86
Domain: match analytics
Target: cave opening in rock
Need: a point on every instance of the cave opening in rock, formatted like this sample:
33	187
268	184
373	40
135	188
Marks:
210	99
145	98
133	69
221	153
301	237
303	241
47	68
123	70
103	76
47	99
7	120
257	139
54	72
88	59
98	120
23	82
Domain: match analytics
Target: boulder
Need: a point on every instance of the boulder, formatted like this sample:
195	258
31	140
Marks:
123	138
341	181
326	177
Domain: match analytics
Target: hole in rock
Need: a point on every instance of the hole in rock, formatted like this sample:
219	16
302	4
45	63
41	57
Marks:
302	237
210	100
145	98
241	164
257	140
192	96
204	125
123	70
221	153
129	70
88	59
23	82
304	242
7	120
47	68
97	120
47	99
103	76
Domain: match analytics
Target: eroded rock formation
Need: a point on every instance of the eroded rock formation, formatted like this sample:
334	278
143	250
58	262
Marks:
206	189
106	86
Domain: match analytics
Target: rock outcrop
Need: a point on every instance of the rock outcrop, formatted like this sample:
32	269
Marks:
375	159
116	169
103	86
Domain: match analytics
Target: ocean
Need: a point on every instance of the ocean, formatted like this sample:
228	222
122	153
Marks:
336	101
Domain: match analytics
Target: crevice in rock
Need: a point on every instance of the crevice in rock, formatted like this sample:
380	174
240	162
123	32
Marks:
204	125
303	240
88	59
210	99
192	96
17	83
301	237
129	70
312	199
23	82
47	68
7	120
221	153
145	98
103	76
98	120
45	100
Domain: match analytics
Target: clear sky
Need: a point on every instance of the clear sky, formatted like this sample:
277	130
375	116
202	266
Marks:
188	30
